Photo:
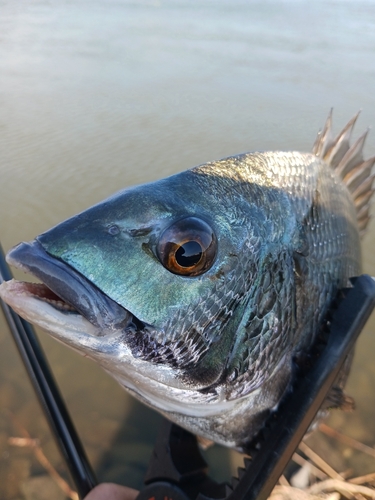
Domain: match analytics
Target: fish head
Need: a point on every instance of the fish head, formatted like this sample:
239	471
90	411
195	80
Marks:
154	282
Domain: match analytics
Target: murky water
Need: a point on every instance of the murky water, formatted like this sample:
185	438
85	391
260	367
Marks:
96	96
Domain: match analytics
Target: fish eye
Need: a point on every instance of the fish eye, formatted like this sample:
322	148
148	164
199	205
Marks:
187	247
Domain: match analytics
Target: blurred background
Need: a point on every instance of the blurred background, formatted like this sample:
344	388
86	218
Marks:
96	96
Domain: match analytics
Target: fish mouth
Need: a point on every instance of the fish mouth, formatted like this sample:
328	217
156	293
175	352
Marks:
62	288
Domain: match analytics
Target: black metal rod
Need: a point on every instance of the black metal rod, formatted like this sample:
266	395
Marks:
48	394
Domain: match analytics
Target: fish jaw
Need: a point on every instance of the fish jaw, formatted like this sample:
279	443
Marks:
98	338
65	305
69	286
70	328
109	350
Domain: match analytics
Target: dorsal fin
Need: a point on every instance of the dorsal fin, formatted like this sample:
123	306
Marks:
347	161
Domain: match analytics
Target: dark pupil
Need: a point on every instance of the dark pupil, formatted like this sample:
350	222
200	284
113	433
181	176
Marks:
188	254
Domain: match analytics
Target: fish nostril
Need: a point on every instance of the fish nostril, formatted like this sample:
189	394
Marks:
113	230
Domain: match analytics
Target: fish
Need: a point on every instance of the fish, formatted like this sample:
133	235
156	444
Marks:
198	292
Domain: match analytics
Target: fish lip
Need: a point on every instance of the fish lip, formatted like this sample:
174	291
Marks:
70	286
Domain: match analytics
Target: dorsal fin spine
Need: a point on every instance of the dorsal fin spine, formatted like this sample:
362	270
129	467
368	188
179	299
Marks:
365	186
347	161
